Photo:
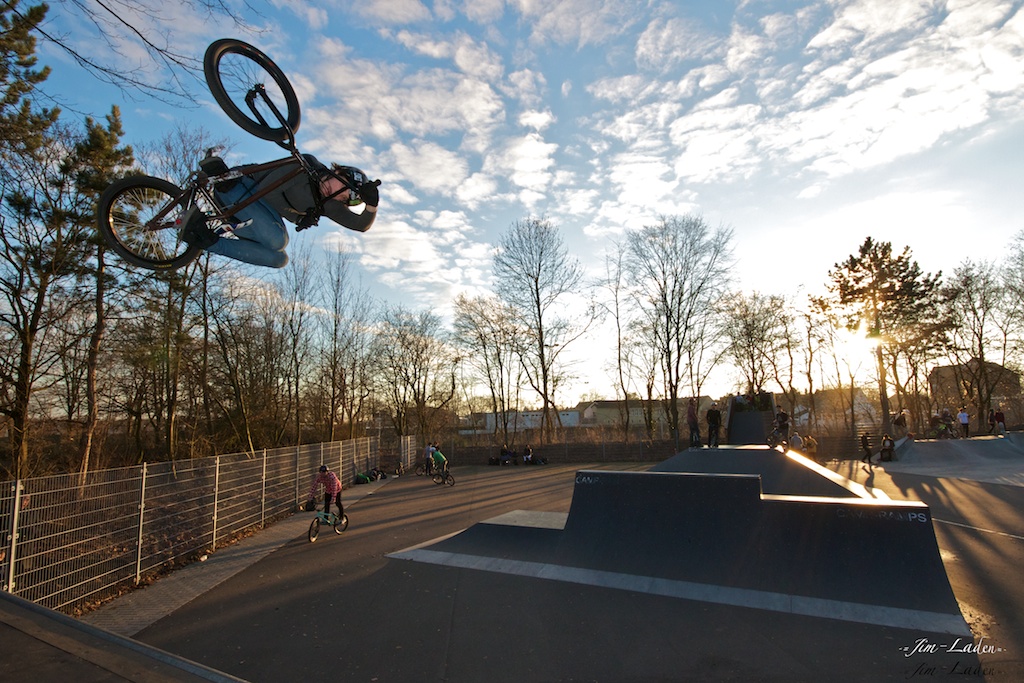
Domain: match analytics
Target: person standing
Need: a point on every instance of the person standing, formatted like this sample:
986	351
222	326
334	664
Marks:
693	423
782	423
965	422
865	444
1000	420
991	420
811	447
428	459
796	443
714	418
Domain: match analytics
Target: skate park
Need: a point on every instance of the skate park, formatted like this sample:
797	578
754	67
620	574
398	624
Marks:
716	564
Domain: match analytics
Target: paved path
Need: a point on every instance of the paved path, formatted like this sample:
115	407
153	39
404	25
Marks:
134	611
275	607
343	609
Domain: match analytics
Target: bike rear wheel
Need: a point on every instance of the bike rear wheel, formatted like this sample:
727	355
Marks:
248	86
314	529
139	217
341	525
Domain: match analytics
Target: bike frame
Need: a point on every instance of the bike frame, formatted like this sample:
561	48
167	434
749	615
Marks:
200	183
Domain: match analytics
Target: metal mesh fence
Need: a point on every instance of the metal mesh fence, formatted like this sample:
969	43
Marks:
68	541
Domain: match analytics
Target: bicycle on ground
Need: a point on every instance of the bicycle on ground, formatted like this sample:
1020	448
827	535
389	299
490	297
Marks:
777	438
141	216
443	476
326	519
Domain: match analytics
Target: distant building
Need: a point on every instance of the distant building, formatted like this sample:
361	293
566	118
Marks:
953	385
486	423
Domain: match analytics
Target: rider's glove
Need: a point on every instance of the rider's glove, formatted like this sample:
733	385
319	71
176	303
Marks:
368	191
310	219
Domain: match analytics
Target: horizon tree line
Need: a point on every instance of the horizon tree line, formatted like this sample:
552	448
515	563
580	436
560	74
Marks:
102	365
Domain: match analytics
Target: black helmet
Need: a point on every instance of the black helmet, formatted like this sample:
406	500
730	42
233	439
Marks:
323	468
355	178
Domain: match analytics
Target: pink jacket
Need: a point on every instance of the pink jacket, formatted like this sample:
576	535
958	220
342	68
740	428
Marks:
332	484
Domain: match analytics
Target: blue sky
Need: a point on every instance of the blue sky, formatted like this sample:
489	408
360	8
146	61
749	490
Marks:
803	126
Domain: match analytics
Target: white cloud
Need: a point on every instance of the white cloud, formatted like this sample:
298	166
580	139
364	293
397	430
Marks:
484	11
476	190
537	120
666	43
528	161
393	11
527	86
312	16
429	166
579	22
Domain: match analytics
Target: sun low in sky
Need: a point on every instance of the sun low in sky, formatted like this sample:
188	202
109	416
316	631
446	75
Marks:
803	126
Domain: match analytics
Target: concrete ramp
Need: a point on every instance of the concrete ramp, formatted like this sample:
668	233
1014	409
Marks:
994	459
748	426
718	538
780	473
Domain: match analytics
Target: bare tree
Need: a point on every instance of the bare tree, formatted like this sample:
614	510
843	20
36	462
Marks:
535	278
679	268
484	328
614	305
753	330
297	289
346	337
415	369
981	324
130	44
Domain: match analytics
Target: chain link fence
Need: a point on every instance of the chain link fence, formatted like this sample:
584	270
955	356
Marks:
67	542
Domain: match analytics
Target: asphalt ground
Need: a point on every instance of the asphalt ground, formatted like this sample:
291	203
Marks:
975	489
340	608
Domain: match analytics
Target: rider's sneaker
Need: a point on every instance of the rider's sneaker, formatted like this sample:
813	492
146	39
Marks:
234	224
195	231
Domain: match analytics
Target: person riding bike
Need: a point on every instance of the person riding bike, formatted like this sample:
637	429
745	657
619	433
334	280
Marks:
259	227
332	490
440	462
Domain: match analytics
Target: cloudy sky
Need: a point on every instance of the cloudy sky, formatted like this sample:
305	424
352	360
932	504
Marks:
803	126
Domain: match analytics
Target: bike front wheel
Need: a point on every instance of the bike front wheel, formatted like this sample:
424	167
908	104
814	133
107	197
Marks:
140	218
314	529
449	479
252	90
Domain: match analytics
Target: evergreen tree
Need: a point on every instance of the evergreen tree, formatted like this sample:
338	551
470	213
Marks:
883	293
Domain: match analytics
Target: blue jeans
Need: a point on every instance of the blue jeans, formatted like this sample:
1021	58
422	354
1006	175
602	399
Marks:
262	242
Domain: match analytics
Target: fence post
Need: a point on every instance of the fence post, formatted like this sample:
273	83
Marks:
142	520
263	492
296	499
12	555
216	499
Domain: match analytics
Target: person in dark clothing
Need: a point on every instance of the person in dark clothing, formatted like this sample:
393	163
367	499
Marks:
714	418
782	423
693	423
257	232
865	444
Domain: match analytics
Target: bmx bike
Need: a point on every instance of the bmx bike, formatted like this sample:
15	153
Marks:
775	439
326	519
141	216
443	476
